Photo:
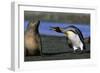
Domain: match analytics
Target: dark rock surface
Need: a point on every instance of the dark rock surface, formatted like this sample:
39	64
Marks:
56	48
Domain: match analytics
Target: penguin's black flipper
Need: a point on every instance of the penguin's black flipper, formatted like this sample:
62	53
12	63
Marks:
69	43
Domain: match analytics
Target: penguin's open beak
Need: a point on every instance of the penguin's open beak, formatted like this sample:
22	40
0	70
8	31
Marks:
57	29
53	28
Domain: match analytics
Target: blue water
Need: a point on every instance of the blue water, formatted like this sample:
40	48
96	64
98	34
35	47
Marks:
44	28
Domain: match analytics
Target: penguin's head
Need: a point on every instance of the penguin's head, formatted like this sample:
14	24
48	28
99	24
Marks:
69	31
57	29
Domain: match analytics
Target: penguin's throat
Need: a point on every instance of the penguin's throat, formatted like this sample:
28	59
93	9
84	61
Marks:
74	39
70	35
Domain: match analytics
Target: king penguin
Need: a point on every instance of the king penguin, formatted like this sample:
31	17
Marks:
74	37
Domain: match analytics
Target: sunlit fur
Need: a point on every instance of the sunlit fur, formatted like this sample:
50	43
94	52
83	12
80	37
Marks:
32	39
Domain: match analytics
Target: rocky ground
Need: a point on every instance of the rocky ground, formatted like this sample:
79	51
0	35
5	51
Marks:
56	48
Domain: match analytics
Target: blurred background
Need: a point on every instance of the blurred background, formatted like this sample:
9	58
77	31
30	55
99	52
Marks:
58	17
53	19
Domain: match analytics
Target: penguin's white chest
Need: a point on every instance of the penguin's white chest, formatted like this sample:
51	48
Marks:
74	39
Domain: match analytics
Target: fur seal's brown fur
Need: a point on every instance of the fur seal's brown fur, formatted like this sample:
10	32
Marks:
32	39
